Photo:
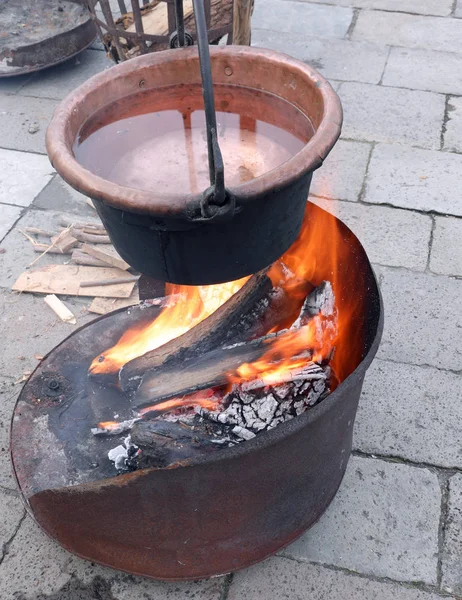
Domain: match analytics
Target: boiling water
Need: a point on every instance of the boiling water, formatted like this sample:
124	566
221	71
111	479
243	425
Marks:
165	151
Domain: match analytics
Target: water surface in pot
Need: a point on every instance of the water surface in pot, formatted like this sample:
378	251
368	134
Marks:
156	141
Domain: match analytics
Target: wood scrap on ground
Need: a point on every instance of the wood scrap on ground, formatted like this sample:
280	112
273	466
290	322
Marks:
67	279
106	256
102	306
60	309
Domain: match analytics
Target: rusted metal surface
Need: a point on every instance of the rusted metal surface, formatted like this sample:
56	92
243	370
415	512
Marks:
165	236
35	34
217	514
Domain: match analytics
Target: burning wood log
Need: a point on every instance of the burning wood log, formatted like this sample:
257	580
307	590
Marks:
233	318
254	310
206	371
212	369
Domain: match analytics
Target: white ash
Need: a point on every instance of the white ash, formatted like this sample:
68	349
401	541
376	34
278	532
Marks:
120	454
250	411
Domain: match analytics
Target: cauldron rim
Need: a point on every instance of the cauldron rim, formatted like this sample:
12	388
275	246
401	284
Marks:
310	157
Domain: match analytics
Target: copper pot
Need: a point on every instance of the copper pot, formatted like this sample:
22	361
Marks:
170	237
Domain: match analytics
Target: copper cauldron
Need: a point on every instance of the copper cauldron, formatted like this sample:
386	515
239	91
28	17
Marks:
187	238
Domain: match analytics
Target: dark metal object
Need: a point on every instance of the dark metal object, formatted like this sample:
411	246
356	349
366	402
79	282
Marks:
216	514
40	33
216	193
122	45
179	238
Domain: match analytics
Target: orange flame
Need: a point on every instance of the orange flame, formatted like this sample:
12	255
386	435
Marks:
205	399
186	307
323	251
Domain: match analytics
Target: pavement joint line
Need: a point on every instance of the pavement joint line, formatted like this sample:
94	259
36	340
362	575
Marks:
420	585
228	581
21	214
352	25
362	191
388	205
395	143
423	366
27	151
399	460
430	243
452	277
444	483
387	10
7	544
445	121
385	67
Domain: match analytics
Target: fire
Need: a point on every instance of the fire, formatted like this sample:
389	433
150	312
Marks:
205	399
186	307
322	252
289	352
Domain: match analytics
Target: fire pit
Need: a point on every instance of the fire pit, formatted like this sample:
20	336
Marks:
200	512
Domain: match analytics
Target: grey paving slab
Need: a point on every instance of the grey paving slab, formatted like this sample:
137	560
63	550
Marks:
8	216
342	174
60	196
29	329
424	70
383	522
57	82
413	178
453	134
340	59
36	568
410	412
410	31
423	318
384	114
8	394
421	7
11	512
458	11
307	19
280	577
452	548
23	122
391	237
19	253
11	85
446	253
22	176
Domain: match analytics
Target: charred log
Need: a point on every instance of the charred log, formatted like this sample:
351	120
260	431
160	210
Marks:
233	319
255	309
163	443
212	369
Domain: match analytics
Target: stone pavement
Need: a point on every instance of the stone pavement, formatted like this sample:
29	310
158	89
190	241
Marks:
395	528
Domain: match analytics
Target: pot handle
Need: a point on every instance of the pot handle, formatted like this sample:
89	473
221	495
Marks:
216	202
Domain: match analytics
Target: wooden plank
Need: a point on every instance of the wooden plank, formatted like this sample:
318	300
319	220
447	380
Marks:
155	21
60	309
66	279
242	14
102	306
64	241
107	256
